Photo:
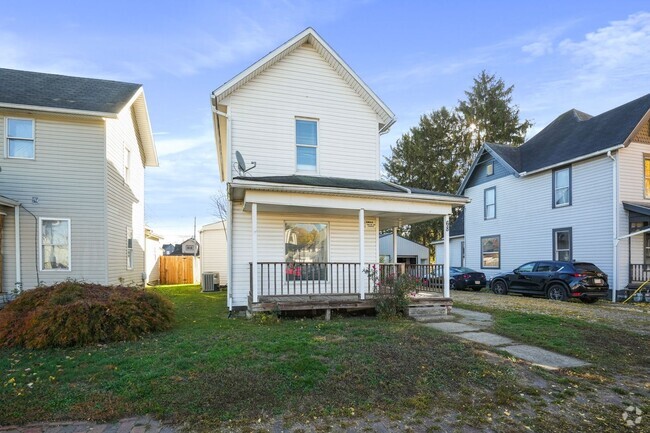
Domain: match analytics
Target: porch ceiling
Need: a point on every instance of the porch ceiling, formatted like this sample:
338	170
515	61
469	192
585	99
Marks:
391	212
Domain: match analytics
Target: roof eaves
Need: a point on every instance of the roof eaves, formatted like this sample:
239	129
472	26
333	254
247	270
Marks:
69	111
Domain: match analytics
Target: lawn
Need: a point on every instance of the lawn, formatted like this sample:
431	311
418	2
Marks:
211	369
215	373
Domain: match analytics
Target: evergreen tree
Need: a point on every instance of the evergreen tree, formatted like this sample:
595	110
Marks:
437	153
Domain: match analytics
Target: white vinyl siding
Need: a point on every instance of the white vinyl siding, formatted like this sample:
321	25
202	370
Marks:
343	242
455	252
214	250
66	179
19	138
125	200
526	221
263	114
405	248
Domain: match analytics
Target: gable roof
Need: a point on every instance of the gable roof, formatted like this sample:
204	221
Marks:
37	91
308	36
572	136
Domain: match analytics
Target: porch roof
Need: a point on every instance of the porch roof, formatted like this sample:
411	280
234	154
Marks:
392	204
640	208
6	201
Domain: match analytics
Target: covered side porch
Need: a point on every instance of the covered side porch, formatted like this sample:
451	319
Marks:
317	247
638	244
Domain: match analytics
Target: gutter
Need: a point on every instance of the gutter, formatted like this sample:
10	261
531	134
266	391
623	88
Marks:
614	223
59	110
262	186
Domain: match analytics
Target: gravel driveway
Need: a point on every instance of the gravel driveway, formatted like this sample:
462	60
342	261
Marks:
634	317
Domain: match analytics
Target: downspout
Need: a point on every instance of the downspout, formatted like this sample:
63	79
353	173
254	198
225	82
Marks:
614	287
19	283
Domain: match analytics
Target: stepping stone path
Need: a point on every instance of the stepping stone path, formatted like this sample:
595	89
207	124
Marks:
470	327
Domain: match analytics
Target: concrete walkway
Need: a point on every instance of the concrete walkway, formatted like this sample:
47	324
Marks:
470	325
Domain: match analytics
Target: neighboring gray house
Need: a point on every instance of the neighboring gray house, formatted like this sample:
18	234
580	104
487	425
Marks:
407	250
72	180
579	189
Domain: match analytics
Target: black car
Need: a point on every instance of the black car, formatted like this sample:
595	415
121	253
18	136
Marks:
461	278
555	280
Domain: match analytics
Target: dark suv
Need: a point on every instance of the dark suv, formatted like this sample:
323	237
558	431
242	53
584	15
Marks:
554	280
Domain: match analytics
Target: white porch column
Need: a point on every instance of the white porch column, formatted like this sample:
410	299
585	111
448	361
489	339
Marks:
19	282
362	236
445	268
394	245
254	233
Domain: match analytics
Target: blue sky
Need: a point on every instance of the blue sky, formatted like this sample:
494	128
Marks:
417	56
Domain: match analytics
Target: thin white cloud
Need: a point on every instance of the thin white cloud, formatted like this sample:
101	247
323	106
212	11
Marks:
541	47
171	146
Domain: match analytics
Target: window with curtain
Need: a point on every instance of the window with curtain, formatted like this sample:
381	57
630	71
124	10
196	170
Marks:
562	187
491	252
55	244
562	245
306	145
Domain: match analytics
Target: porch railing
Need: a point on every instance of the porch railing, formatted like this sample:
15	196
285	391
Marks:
639	273
338	278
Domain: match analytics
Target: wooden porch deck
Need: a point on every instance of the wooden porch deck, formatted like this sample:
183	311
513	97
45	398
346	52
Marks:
341	302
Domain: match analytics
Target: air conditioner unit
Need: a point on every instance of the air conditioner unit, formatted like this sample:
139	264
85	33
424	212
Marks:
210	281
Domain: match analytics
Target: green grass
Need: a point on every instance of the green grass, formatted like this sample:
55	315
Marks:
606	347
210	368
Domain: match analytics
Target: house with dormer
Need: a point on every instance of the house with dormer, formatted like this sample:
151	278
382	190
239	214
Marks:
72	163
578	190
298	144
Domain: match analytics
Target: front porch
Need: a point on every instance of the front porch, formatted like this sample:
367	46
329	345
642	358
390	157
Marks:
335	286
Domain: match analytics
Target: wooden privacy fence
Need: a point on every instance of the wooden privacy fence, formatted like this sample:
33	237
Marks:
176	270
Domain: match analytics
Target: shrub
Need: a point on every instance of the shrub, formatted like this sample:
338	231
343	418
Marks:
74	314
392	294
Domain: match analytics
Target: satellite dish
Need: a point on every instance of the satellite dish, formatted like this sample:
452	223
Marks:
241	164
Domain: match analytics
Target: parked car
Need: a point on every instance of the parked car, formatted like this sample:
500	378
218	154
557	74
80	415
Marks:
555	280
460	278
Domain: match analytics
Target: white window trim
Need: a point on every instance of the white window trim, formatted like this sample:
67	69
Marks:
6	137
295	135
40	244
132	266
327	229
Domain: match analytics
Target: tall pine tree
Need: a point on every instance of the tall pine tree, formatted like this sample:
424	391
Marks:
437	153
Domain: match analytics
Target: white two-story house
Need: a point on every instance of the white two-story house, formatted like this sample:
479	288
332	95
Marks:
72	159
578	190
298	143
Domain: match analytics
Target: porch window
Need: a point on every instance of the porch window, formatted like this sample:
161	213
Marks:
20	138
129	248
54	244
562	245
490	203
562	187
305	243
646	175
306	145
491	252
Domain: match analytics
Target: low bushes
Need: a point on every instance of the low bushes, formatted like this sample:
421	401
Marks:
73	313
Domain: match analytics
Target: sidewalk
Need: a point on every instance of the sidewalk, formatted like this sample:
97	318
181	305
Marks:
471	327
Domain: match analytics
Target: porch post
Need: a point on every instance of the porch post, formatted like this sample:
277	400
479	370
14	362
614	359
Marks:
254	233
362	236
395	244
445	268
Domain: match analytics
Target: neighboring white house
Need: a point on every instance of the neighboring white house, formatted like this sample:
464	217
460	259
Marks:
72	165
456	243
152	250
214	250
305	218
407	250
578	190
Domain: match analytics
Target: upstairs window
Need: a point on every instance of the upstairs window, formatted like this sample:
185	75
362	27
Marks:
306	145
20	138
489	169
127	164
562	187
490	203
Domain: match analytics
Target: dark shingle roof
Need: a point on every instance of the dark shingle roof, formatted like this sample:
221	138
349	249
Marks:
458	227
64	92
338	182
575	134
